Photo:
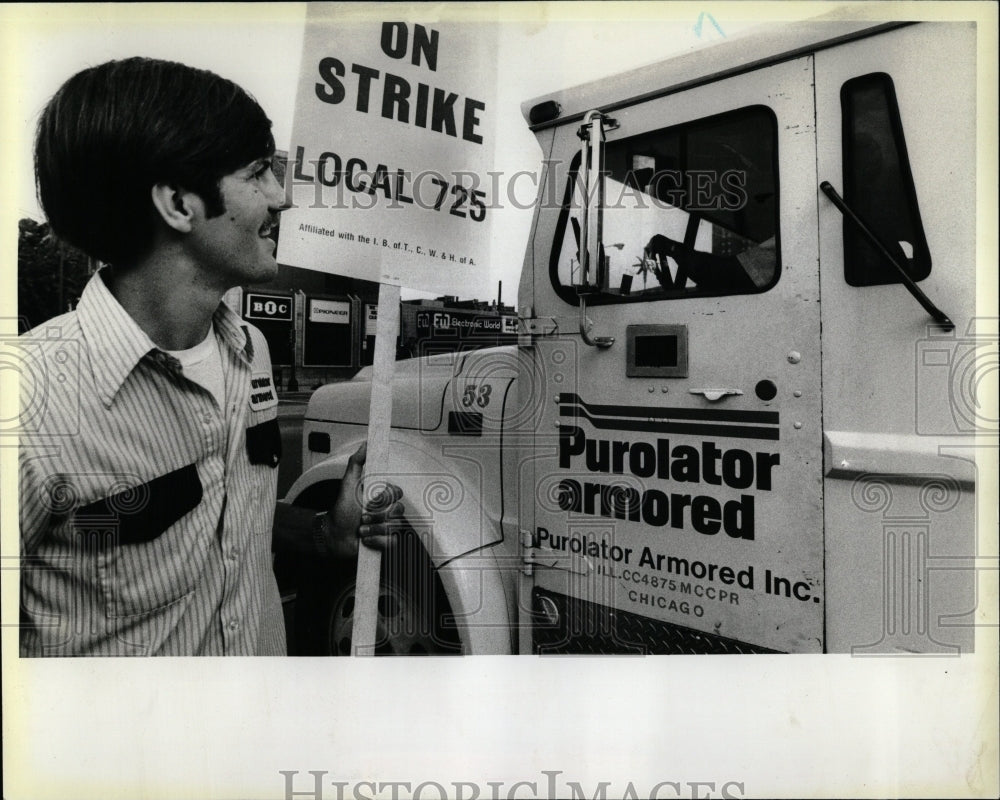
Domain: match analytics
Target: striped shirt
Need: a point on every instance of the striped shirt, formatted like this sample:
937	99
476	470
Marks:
146	509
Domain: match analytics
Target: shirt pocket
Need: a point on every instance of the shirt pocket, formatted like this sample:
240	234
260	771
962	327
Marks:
154	544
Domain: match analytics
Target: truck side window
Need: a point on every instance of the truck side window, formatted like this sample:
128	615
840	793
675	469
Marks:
690	210
878	185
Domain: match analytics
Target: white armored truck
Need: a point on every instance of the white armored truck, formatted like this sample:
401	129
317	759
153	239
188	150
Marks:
742	412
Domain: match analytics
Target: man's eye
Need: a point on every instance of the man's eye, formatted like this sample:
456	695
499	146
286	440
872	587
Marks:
262	169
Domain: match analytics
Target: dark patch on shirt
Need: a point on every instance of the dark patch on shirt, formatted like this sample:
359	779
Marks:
140	514
264	443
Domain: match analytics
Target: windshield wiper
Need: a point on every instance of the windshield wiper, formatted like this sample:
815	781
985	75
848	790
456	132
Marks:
939	316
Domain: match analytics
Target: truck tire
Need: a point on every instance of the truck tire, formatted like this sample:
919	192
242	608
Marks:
414	617
413	612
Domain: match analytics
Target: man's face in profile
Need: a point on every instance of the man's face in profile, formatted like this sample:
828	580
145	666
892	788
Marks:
236	243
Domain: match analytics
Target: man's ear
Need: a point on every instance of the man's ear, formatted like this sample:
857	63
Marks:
176	207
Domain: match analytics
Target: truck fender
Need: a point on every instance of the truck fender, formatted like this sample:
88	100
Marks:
329	469
483	600
444	507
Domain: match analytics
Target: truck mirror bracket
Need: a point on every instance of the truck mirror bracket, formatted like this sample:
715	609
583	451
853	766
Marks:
591	247
939	316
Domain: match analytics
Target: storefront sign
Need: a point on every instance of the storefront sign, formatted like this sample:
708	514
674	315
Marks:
270	307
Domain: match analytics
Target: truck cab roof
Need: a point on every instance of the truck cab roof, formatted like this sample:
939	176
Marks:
751	50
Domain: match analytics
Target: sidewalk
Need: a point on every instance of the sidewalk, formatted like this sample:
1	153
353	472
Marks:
294	397
303	395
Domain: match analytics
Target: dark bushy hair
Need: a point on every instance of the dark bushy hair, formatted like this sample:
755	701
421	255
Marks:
114	131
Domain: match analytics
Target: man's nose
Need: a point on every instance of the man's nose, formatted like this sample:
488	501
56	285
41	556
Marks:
275	193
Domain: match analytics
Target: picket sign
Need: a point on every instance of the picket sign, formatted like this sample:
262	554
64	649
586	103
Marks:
377	464
392	143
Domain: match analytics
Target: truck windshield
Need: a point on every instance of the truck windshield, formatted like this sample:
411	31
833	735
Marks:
690	210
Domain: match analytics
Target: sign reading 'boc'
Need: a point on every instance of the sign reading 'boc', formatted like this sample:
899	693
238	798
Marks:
268	307
391	150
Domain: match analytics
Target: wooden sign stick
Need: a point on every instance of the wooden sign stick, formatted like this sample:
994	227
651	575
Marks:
377	464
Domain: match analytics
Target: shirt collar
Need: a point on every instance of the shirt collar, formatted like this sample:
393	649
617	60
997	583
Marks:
118	344
233	331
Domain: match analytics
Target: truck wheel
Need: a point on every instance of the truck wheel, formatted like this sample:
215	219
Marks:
400	628
413	611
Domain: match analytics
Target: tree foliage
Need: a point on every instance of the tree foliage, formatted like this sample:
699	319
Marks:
50	275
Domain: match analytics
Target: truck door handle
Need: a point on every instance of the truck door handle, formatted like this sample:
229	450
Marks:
713	395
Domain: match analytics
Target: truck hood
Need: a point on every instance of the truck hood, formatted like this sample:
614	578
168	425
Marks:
417	395
419	389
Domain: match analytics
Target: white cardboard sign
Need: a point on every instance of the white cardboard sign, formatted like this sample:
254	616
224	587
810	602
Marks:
337	312
390	154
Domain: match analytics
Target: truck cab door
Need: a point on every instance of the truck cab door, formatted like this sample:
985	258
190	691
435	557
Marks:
902	412
673	494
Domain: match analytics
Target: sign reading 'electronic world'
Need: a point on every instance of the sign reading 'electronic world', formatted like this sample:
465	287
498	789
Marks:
390	154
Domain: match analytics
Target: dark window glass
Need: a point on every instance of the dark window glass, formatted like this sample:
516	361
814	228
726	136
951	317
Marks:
690	210
878	185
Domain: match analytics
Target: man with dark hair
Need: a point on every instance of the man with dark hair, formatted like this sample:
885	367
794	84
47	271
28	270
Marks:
149	440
